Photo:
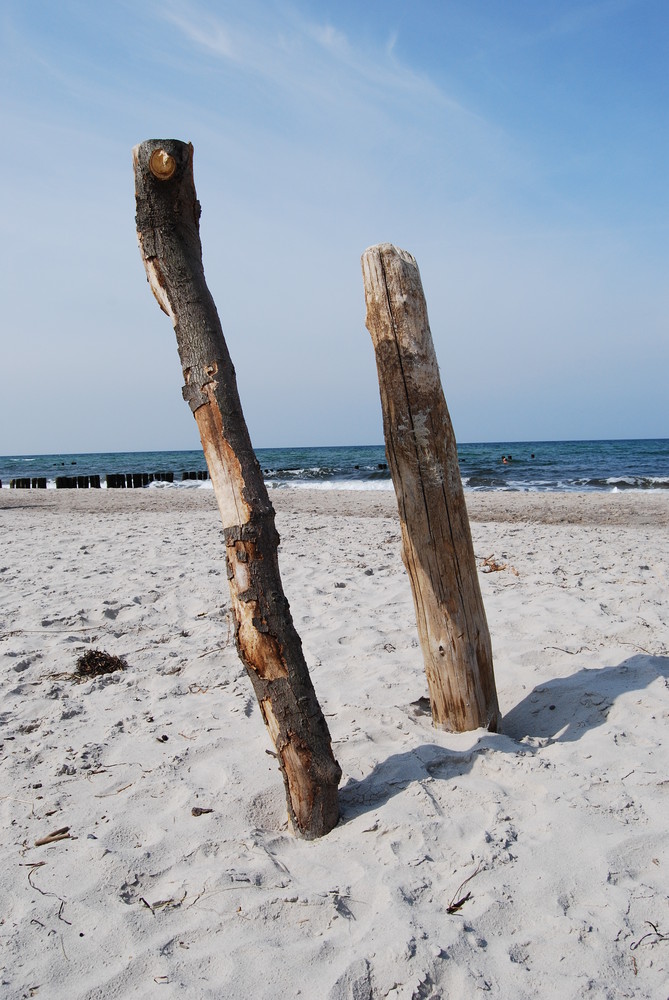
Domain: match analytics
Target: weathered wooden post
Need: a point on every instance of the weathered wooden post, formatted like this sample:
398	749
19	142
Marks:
168	228
437	546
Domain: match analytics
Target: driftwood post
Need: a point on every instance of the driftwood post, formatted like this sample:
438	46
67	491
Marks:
436	539
168	228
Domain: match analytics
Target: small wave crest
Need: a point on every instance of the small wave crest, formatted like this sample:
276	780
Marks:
384	485
619	483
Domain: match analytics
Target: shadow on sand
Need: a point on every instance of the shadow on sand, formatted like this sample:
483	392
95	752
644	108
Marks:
559	711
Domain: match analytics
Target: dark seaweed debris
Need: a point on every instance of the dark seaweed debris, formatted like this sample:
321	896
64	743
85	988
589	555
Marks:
96	662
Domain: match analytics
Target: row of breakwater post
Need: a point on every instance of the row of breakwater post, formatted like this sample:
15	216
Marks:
200	474
114	480
136	480
77	482
35	483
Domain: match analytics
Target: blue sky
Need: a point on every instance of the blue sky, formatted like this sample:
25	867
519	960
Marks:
519	150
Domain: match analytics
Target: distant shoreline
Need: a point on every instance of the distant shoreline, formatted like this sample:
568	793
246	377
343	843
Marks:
596	466
493	443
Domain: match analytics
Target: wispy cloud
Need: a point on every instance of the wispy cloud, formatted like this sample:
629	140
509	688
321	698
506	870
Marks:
330	38
293	51
208	32
345	95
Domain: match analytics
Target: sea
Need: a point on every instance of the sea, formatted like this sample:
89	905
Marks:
562	466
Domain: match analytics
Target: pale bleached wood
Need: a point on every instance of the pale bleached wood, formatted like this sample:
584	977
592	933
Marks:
436	539
168	216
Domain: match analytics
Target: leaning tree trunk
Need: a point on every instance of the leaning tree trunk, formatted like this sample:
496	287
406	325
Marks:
422	455
168	228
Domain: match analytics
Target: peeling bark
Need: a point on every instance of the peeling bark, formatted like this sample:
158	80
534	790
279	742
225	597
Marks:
436	540
168	216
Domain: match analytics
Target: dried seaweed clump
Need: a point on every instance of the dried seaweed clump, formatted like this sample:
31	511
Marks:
96	662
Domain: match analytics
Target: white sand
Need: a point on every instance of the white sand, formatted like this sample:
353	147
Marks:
559	823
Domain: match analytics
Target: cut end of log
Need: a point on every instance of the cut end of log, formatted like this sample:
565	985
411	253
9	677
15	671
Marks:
162	165
162	159
388	250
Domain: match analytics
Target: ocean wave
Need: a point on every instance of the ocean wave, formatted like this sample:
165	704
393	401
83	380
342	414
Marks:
559	466
384	485
316	474
470	484
620	483
186	484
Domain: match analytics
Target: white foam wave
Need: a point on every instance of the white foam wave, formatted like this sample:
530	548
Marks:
384	485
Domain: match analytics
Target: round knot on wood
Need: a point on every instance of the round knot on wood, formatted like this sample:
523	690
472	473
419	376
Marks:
162	165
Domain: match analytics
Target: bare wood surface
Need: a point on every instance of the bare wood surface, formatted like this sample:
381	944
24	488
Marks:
422	455
168	228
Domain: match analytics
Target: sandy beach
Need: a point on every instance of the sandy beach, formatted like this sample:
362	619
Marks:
530	863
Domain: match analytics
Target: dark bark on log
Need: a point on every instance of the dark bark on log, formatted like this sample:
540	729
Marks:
437	546
168	227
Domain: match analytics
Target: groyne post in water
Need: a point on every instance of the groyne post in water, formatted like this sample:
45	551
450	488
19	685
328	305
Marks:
168	216
436	539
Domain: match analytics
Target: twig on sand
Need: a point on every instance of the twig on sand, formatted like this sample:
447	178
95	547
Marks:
163	904
33	631
199	896
44	892
14	798
114	791
656	933
456	904
34	865
51	838
571	652
208	652
635	646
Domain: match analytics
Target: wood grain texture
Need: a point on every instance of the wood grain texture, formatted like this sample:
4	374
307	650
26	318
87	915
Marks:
168	216
422	455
